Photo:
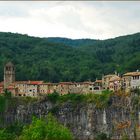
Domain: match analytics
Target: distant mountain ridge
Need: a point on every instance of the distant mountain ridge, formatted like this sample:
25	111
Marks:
57	59
72	42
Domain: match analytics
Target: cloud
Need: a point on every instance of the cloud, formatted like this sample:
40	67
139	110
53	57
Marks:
80	19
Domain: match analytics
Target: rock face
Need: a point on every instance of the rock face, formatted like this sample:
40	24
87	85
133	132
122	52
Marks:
84	119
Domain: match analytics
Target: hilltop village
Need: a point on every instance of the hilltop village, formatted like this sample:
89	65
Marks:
112	82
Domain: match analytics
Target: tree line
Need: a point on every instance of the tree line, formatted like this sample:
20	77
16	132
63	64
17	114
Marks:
61	59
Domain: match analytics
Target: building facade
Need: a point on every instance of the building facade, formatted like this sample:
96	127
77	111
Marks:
131	80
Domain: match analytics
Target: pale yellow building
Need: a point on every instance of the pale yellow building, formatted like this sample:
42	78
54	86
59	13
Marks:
115	83
106	79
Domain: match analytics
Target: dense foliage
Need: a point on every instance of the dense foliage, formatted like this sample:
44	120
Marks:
61	59
39	129
5	99
100	100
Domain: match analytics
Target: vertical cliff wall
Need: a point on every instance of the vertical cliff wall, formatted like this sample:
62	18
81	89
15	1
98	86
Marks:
85	120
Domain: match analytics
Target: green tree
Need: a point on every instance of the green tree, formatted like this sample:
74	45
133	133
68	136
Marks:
6	136
46	129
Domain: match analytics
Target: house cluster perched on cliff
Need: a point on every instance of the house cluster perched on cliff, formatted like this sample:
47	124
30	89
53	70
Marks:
111	82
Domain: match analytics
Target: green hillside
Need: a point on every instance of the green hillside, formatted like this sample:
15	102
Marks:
63	59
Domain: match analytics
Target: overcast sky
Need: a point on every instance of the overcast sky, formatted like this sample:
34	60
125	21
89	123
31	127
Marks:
81	19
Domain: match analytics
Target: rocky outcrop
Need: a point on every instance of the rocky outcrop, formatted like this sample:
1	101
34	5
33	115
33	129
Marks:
84	119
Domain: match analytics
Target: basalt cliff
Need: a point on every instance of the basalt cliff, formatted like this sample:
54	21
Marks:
85	120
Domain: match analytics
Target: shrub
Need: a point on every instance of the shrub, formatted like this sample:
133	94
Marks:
15	128
125	137
6	136
54	97
102	136
45	129
7	94
72	98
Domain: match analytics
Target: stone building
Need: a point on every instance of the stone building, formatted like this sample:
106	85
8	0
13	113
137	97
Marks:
9	74
48	88
115	83
131	80
87	87
27	88
22	88
64	87
97	86
106	79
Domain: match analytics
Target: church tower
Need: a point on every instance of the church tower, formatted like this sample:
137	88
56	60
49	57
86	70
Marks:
9	74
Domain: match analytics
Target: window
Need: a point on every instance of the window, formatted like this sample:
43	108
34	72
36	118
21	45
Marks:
124	79
135	77
96	88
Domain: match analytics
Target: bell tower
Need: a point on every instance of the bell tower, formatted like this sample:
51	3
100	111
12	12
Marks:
9	74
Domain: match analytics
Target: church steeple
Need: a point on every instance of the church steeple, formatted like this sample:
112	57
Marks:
9	74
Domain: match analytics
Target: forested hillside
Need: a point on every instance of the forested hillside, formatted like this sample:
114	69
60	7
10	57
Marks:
62	59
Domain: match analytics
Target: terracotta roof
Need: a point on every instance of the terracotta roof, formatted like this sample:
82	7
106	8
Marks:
66	83
11	88
87	82
78	83
21	82
132	74
46	84
29	82
98	81
1	84
35	82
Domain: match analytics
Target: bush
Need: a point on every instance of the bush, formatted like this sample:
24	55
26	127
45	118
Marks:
16	128
54	110
7	94
125	137
100	100
54	97
46	129
102	136
6	136
72	98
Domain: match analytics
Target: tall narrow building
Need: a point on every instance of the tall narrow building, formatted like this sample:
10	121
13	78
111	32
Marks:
9	74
